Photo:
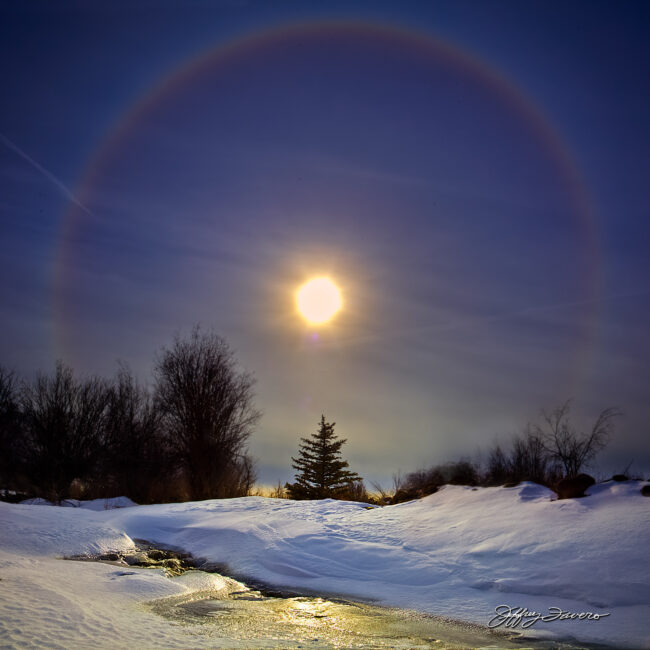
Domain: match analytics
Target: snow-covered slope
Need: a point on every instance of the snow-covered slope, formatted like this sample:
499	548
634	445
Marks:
458	553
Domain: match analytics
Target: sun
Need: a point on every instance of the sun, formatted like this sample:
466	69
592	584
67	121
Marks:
318	300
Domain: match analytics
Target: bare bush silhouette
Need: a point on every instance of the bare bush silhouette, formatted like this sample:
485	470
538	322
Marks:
206	406
278	491
568	447
526	460
382	496
423	482
354	491
549	451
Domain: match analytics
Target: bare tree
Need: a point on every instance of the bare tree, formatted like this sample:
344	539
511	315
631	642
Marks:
133	453
571	449
10	438
498	466
63	419
206	404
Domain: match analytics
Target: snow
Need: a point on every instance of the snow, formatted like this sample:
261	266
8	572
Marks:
458	553
94	504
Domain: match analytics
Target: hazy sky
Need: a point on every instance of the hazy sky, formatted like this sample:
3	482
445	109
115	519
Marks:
473	175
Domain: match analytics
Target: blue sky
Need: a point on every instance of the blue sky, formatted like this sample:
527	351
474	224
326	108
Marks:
490	237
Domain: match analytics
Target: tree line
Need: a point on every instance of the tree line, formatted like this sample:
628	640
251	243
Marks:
185	437
547	452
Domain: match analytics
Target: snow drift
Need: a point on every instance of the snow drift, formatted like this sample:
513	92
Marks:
458	553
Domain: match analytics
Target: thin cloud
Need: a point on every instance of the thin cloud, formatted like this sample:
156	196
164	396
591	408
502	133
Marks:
471	322
49	175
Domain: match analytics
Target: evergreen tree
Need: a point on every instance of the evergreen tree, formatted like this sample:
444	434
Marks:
320	471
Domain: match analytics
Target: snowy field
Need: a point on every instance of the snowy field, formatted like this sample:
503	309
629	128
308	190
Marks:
459	553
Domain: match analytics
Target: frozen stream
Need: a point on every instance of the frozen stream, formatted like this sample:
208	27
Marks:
254	616
255	621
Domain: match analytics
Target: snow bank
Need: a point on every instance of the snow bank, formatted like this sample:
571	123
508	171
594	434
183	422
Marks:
458	553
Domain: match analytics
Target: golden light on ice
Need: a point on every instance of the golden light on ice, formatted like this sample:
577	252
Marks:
318	300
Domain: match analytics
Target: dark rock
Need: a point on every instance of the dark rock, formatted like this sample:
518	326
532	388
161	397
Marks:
620	477
645	490
110	557
157	554
137	559
574	487
173	565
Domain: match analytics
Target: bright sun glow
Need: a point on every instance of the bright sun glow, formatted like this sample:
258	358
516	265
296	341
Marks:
318	300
